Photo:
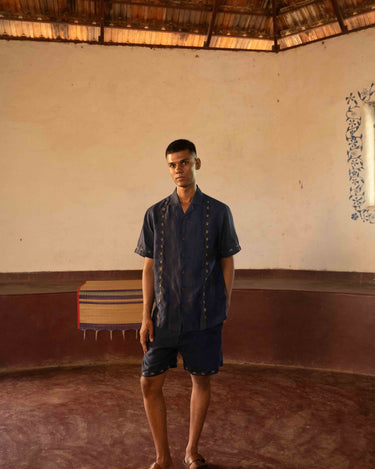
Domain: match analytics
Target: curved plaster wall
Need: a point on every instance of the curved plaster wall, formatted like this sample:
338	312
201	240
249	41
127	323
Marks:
83	131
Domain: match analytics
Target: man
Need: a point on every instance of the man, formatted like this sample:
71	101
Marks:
188	241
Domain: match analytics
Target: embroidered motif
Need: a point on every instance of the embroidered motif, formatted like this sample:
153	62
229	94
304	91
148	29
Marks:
205	265
354	138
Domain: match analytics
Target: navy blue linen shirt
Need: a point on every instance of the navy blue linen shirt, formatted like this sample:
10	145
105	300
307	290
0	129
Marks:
187	248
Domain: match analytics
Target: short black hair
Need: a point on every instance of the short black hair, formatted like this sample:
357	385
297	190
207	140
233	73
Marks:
181	145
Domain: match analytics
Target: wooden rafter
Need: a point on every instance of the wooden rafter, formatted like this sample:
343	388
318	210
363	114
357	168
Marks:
212	23
102	20
275	47
339	15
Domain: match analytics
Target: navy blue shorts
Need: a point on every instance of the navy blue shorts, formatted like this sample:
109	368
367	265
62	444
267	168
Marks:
201	351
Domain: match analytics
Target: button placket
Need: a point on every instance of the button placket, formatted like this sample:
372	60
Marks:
161	253
205	260
183	238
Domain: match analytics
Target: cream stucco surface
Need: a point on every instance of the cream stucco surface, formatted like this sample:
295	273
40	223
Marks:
83	130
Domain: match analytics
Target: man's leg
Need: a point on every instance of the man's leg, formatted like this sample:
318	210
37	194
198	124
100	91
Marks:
200	399
152	390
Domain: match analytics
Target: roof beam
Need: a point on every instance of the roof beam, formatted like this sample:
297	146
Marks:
102	18
339	15
275	47
212	23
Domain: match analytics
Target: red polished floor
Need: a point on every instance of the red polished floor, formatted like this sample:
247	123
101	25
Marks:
260	418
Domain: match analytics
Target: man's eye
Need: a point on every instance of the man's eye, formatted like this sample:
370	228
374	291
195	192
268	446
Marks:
184	162
172	165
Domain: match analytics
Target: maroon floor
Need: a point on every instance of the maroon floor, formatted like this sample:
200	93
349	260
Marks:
260	418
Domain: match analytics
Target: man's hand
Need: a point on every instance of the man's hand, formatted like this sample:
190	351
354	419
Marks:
147	333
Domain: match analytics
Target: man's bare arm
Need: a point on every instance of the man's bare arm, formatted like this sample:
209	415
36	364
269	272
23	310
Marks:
227	266
147	328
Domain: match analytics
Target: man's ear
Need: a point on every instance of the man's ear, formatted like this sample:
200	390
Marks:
198	163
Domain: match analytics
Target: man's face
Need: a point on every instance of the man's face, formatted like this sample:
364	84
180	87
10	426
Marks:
182	168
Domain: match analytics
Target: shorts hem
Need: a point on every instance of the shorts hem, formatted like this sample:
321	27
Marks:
202	373
148	374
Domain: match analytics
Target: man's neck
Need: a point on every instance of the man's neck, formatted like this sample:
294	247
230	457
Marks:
186	194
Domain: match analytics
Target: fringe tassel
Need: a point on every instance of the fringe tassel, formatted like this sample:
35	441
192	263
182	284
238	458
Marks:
110	334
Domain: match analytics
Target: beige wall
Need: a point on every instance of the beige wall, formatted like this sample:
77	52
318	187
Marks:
83	129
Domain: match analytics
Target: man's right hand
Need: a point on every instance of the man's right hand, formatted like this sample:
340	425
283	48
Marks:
147	333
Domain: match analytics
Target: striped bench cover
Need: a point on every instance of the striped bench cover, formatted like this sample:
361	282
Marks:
110	305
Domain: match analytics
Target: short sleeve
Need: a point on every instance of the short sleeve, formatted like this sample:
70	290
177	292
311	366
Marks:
145	246
228	244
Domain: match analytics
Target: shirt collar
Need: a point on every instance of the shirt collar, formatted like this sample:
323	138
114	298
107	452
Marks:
197	199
